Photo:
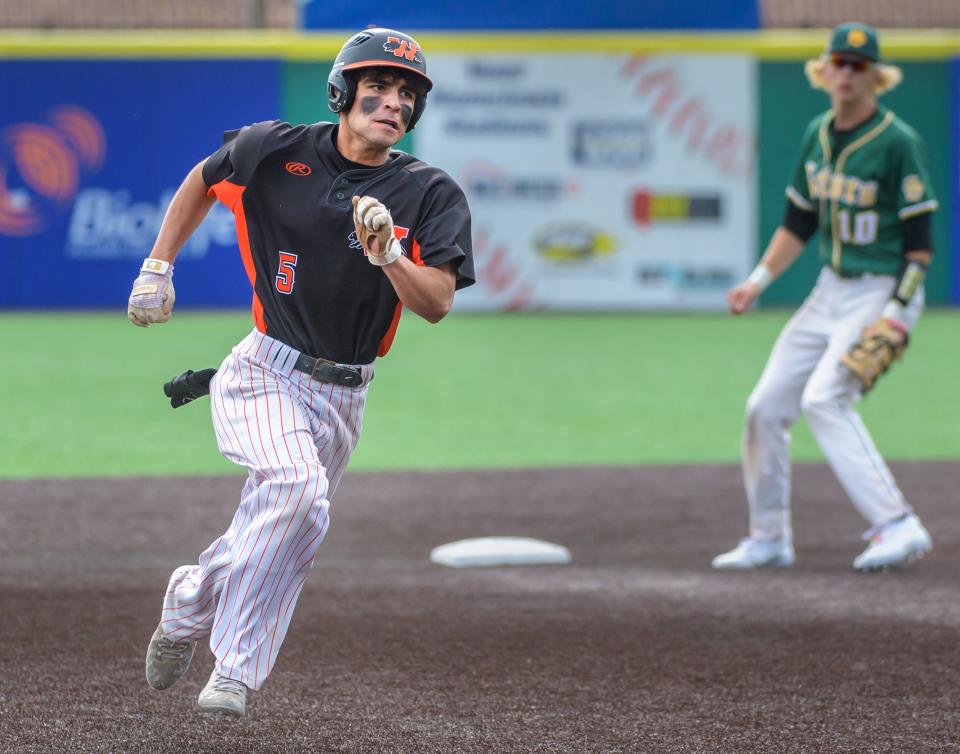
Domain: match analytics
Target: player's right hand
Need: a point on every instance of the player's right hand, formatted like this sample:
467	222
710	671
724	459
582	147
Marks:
741	297
374	227
152	297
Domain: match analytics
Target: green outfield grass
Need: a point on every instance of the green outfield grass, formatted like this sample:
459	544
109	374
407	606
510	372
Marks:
82	393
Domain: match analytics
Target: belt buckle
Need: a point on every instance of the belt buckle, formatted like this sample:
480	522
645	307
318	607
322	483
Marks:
337	374
317	363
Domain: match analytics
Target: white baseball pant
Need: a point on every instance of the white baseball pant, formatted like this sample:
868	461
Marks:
294	435
804	375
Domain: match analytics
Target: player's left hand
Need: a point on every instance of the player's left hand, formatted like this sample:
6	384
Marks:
888	328
152	297
374	226
882	343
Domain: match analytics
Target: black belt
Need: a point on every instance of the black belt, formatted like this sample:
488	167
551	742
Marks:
848	275
328	371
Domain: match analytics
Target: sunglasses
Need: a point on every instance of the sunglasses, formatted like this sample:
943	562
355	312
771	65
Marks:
857	65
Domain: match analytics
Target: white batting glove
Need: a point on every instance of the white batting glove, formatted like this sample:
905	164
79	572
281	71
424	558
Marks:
152	297
372	219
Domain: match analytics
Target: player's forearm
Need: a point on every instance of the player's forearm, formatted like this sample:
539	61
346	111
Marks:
910	279
784	247
186	211
426	291
782	251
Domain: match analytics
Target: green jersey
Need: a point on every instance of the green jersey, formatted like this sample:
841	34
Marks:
862	183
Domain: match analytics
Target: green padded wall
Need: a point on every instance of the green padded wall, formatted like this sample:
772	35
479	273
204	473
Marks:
786	105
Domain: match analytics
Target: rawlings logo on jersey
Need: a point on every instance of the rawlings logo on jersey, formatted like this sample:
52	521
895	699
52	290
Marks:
298	168
823	184
399	232
401	48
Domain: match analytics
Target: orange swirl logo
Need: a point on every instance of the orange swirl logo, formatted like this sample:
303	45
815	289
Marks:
45	162
47	159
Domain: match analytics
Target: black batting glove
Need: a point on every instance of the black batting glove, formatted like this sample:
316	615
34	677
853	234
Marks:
188	386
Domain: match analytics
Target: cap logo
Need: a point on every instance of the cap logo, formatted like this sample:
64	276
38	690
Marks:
298	168
856	38
401	48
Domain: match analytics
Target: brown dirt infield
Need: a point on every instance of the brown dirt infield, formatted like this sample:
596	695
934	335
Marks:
635	647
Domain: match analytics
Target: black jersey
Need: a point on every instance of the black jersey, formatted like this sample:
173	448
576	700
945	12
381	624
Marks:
291	192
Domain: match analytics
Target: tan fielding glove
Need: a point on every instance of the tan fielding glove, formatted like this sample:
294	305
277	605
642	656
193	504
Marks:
882	344
373	220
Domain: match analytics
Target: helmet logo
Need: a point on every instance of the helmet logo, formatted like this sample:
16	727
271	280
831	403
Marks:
401	48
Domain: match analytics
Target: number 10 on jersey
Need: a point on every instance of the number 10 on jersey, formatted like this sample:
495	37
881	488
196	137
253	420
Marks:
864	227
286	272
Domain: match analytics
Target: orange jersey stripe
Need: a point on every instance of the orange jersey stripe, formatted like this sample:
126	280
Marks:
387	340
230	194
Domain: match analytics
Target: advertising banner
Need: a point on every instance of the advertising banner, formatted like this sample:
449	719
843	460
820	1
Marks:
531	14
954	162
599	181
88	169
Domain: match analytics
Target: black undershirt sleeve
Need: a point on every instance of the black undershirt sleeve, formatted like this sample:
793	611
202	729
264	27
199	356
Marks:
917	233
802	223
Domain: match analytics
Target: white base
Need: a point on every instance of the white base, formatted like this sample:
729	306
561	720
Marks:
497	551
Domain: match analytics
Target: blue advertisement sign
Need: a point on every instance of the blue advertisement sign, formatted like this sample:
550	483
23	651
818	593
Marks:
617	15
954	141
91	153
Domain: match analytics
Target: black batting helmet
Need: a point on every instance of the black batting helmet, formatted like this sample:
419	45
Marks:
376	48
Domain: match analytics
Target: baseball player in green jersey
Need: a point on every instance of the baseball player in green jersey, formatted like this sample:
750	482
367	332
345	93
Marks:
863	185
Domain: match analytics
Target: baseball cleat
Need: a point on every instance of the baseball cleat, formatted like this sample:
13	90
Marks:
167	660
756	553
223	696
897	543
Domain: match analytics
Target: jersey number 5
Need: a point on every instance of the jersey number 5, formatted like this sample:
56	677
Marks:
285	275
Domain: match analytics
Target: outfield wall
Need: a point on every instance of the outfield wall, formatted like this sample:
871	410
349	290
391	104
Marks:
627	172
786	105
532	14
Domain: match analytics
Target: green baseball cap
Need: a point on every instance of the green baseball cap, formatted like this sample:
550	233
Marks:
855	39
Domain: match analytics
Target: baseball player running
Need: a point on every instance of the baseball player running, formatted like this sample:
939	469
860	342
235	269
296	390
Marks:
337	232
862	181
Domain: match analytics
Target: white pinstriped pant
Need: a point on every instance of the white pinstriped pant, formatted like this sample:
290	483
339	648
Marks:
294	435
804	375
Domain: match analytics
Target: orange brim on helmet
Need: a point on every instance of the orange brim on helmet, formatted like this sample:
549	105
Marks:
389	64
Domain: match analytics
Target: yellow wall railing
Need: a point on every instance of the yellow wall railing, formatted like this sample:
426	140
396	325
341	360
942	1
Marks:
765	45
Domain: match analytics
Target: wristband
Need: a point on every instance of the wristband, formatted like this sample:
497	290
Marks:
910	277
392	254
893	312
156	266
760	277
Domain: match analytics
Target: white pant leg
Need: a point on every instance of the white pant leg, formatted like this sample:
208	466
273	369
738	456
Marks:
772	408
830	396
243	591
336	414
190	603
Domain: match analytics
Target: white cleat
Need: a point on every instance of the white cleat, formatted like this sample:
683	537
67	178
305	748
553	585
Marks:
897	543
757	553
223	696
167	660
